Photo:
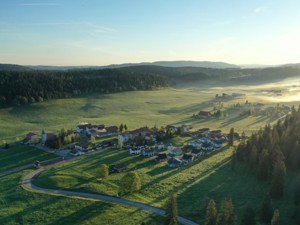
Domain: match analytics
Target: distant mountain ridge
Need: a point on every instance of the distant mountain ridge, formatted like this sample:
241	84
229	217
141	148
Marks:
179	63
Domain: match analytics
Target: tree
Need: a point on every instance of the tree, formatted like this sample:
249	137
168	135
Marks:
211	213
276	218
266	210
125	127
230	137
253	157
263	165
121	128
103	171
278	180
62	134
120	144
297	191
130	183
248	216
226	215
171	211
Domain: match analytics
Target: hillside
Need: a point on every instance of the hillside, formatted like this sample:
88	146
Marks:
13	67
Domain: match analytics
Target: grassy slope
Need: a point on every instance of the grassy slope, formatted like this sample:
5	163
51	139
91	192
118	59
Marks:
19	155
19	206
136	109
210	177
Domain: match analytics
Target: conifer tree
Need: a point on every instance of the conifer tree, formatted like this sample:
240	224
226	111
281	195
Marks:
276	218
266	210
297	191
253	157
103	171
278	180
231	137
171	211
226	214
263	167
248	216
211	213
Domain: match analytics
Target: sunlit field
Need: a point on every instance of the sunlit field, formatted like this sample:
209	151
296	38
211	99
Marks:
140	108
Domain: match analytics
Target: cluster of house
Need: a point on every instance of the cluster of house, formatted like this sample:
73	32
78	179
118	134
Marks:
258	109
174	155
96	130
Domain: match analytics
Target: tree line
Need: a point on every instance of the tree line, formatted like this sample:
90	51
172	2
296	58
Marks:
23	87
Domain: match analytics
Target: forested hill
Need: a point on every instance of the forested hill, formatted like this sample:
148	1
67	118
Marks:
13	67
182	74
35	86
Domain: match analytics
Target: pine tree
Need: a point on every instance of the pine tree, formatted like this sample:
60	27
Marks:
278	180
276	218
253	157
226	215
231	137
263	166
121	128
171	211
297	191
266	210
125	127
211	213
248	216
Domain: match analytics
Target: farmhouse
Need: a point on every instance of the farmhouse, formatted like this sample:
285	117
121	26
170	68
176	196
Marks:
161	157
149	152
176	151
203	114
48	137
196	152
173	162
31	138
187	158
135	151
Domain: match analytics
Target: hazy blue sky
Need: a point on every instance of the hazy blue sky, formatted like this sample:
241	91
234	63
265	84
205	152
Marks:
99	32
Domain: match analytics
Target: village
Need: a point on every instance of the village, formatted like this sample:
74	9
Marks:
145	142
154	142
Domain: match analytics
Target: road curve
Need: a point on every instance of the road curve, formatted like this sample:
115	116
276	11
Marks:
27	184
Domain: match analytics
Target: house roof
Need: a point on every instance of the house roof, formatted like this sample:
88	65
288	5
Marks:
141	130
187	156
112	129
174	161
162	156
204	113
51	137
196	151
30	134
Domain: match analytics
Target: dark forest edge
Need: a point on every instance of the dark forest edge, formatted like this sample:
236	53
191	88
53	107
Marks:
21	85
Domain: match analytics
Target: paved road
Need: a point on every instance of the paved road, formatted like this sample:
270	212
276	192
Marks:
26	184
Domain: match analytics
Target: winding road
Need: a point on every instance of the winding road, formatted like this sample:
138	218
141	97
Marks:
27	184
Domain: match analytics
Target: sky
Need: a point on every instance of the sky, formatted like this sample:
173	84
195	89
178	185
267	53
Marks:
102	32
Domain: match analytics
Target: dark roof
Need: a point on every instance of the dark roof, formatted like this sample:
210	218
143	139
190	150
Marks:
174	161
204	113
141	130
162	156
196	151
187	157
51	137
30	134
112	129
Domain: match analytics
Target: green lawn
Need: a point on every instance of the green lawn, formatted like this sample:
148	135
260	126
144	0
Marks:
19	206
195	184
136	109
19	155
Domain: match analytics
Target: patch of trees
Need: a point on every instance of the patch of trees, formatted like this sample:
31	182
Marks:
18	88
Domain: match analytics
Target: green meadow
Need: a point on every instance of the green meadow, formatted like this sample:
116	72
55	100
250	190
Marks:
136	109
208	177
19	206
20	155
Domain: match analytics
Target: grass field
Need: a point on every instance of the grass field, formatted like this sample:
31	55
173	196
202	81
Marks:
136	109
19	155
195	184
19	206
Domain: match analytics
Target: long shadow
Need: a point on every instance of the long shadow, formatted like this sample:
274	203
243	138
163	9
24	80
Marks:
86	213
232	120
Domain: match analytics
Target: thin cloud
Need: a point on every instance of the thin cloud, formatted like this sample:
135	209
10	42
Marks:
258	10
39	4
